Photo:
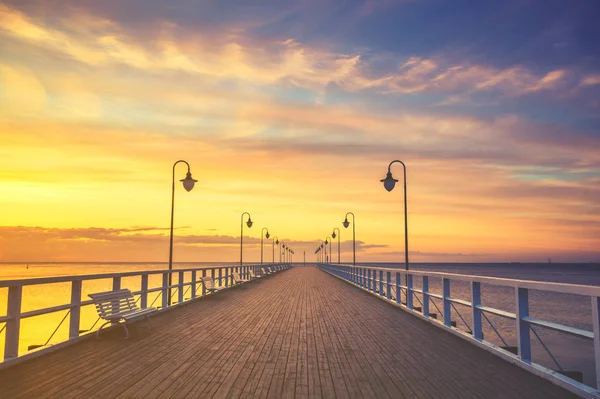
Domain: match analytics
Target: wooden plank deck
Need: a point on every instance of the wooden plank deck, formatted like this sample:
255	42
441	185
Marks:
300	333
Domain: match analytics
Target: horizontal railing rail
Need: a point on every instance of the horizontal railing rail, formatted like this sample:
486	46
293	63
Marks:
222	275
378	280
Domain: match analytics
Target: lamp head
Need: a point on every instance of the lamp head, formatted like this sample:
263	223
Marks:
277	241
188	182
249	222
326	242
267	235
333	235
346	223
389	182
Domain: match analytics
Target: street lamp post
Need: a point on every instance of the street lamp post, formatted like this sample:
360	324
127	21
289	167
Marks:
346	223
275	241
261	242
333	235
188	184
327	243
249	224
389	183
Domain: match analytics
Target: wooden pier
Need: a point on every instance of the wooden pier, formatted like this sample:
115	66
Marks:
299	333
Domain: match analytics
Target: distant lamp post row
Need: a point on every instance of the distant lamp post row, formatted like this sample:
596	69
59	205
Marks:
188	184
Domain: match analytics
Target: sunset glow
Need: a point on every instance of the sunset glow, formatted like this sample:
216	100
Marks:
292	112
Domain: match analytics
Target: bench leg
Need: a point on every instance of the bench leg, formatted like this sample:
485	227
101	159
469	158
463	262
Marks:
101	327
124	325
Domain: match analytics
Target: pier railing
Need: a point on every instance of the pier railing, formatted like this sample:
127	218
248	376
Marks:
188	287
400	288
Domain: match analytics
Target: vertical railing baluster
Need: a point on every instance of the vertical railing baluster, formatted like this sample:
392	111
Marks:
165	290
425	288
116	286
194	283
203	285
523	338
388	288
596	328
180	288
398	296
144	294
75	315
447	303
13	326
220	277
227	277
409	291
476	312
381	282
369	279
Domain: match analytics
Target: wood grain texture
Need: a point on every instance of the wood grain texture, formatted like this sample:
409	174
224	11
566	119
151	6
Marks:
300	333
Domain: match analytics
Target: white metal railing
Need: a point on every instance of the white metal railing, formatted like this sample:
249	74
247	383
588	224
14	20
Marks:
378	280
10	323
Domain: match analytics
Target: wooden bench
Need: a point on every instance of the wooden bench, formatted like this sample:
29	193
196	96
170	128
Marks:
209	284
236	279
114	306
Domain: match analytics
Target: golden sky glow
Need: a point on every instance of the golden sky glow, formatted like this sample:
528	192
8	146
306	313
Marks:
95	111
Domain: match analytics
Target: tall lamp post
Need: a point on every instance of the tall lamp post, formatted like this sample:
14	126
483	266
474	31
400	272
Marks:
249	224
188	184
333	235
346	223
275	241
327	243
261	242
389	183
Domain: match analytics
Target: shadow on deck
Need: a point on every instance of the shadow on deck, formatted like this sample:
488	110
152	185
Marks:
300	333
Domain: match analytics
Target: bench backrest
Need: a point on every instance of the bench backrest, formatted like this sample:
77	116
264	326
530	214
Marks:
251	272
208	282
113	302
269	270
236	276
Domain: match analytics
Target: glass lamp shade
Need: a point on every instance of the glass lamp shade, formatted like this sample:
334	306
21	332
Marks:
267	235
346	223
333	235
389	182
326	242
249	222
188	182
277	242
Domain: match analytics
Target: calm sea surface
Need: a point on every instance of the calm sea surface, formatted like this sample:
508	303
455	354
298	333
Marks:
570	352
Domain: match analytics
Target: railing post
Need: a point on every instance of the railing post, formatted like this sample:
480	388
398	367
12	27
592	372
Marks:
180	288
447	303
381	282
227	277
194	284
388	288
116	287
220	277
144	294
75	314
369	279
409	291
203	285
13	326
475	302
363	275
523	337
596	327
425	287
165	290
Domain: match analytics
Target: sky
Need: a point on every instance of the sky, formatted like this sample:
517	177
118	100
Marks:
292	111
